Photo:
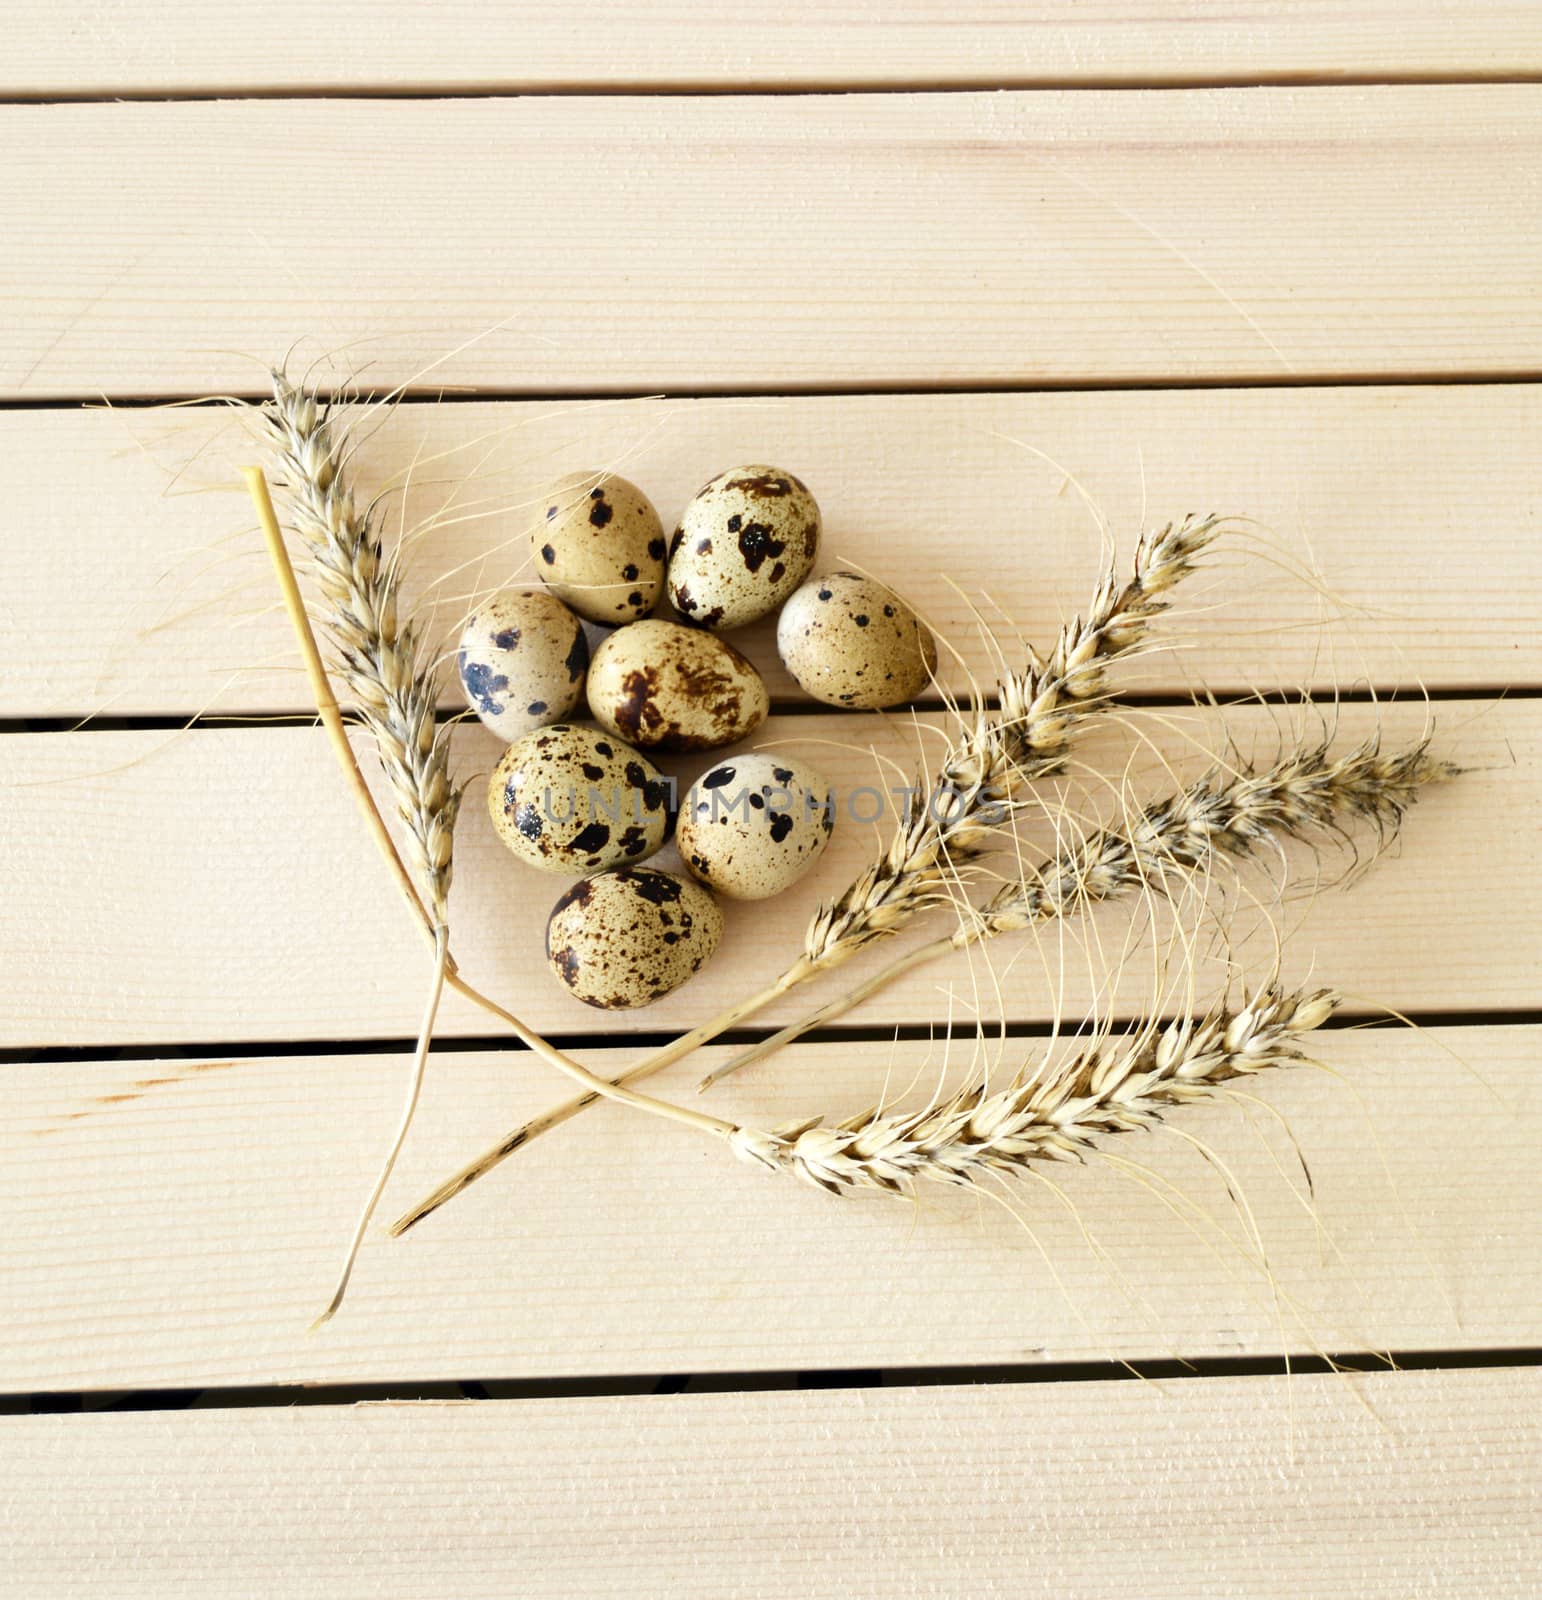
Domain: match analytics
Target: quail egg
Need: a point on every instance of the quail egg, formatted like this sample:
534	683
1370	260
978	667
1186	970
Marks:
568	799
850	641
658	684
744	544
755	824
523	656
627	938
599	546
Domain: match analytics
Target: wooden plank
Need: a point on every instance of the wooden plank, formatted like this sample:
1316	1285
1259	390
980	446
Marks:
577	245
153	46
219	885
1252	1487
178	1224
1420	509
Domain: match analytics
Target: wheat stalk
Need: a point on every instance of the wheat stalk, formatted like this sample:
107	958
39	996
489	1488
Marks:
396	693
1225	814
1048	1114
949	820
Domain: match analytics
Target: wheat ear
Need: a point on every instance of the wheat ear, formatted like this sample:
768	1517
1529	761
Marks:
1050	1113
1224	814
392	679
950	819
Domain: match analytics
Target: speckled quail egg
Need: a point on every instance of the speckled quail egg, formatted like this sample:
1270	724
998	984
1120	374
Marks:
568	799
523	656
744	544
599	546
627	938
849	641
755	824
664	686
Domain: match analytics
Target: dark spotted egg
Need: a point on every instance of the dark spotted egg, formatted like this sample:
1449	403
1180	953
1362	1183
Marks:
850	641
598	544
754	824
568	799
663	686
627	938
744	544
523	656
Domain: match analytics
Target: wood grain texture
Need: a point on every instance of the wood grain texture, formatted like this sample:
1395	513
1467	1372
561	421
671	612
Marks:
152	45
1419	508
173	1218
560	245
176	1224
1369	1488
218	884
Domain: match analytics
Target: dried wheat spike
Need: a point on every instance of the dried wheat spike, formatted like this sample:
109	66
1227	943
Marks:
1050	1113
1223	814
392	679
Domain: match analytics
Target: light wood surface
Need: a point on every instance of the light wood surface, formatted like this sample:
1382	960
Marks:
1419	1483
1409	517
174	1224
584	245
281	45
218	884
1275	259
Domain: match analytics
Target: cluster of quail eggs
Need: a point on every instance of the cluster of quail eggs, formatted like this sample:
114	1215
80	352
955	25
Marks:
585	800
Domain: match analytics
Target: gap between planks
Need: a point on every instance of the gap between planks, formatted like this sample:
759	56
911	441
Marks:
924	705
391	47
1369	1488
429	394
429	95
194	1050
238	1398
